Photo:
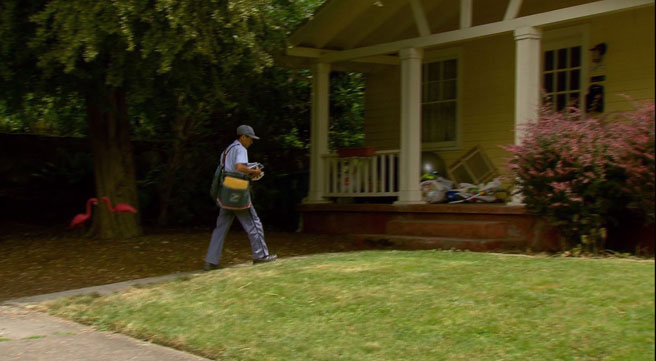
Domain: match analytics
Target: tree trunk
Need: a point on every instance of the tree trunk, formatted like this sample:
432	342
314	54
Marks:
109	130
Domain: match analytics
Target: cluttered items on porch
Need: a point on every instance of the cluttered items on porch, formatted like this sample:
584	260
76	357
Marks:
437	189
472	179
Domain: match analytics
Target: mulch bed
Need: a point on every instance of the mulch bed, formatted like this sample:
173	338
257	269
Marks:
36	260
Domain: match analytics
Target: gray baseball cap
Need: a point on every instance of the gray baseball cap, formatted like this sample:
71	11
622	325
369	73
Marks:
247	130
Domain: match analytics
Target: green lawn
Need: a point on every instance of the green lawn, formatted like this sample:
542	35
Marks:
394	305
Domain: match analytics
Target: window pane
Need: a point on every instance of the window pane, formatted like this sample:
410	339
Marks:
575	57
438	130
561	83
548	82
549	60
433	91
449	89
434	71
449	121
562	58
574	80
426	121
438	122
450	69
561	101
439	83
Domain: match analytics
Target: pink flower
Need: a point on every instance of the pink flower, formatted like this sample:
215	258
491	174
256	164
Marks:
569	155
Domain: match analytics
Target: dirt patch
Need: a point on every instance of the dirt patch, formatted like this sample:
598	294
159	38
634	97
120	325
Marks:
43	260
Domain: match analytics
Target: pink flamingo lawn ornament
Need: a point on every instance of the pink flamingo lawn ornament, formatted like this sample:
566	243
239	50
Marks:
81	218
119	207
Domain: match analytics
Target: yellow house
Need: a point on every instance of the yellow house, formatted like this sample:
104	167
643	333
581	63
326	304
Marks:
457	78
447	76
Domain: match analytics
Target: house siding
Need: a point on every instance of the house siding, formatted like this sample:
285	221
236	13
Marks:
487	98
487	68
629	61
382	103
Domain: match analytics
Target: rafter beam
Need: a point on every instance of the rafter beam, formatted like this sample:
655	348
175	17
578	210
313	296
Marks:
370	25
537	20
401	25
513	9
465	14
420	18
304	52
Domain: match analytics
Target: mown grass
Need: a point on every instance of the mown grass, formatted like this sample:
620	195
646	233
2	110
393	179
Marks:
392	305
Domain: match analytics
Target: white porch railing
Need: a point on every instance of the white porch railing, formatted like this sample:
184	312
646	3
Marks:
375	176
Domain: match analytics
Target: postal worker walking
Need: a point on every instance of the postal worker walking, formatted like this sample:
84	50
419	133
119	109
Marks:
235	161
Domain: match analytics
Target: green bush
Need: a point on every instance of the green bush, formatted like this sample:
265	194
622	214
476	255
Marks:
581	173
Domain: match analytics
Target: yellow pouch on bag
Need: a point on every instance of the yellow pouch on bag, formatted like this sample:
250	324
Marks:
235	183
235	192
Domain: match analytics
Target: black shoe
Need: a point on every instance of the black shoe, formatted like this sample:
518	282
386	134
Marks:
211	267
269	258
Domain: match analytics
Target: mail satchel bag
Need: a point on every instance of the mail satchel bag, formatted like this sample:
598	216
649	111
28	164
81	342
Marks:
235	191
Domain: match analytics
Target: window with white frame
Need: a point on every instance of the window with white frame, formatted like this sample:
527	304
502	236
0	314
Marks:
439	105
563	67
562	77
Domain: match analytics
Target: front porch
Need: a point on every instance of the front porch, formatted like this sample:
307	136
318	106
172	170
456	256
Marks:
489	84
476	227
449	78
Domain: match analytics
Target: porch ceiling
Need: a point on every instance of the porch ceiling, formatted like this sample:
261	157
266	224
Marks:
342	25
366	35
350	24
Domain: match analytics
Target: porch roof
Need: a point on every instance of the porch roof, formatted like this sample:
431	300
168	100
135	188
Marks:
373	31
349	24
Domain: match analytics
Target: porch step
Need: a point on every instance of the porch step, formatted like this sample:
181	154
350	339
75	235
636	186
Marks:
448	228
417	242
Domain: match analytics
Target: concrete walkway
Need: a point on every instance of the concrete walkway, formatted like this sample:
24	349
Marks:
29	335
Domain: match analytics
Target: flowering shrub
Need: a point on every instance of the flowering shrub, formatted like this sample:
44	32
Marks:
580	172
633	153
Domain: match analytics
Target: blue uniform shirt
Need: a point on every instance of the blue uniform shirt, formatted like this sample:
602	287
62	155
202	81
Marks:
237	153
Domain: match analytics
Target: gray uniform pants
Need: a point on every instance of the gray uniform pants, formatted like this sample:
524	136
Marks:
252	225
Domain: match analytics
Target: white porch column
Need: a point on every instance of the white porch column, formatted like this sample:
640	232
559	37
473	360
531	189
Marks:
527	77
319	131
528	56
410	157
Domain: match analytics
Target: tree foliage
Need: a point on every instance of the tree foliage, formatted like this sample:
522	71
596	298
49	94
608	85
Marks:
185	72
347	110
134	40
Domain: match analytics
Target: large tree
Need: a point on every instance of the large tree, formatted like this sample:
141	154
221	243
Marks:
105	50
191	104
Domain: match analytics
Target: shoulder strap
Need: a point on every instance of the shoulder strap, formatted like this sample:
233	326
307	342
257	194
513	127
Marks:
225	154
